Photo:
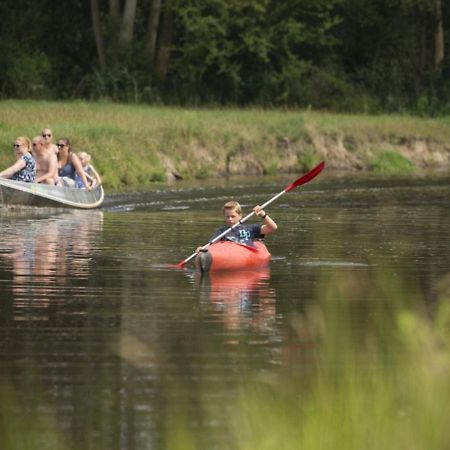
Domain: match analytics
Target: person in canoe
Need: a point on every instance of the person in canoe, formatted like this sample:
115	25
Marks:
24	169
69	166
91	174
47	134
236	257
46	162
244	234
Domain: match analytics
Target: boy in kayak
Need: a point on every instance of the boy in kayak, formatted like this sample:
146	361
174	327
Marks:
244	234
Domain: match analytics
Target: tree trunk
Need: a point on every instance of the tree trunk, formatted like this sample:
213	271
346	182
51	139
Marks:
439	37
422	56
129	15
153	25
165	42
114	9
95	13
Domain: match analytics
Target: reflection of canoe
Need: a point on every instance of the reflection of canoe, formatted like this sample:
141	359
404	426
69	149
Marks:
32	194
227	255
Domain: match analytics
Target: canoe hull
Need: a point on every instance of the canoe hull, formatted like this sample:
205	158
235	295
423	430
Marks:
17	193
227	255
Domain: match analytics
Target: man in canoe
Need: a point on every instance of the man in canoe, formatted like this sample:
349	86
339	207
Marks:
46	162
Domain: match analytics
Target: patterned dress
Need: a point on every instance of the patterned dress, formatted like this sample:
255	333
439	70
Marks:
28	173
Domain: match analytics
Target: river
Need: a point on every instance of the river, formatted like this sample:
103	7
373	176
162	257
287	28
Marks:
104	345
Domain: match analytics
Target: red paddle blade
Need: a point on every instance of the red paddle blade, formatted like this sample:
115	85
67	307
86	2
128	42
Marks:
307	177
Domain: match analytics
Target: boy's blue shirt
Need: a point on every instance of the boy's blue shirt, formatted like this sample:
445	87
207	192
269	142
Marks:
243	234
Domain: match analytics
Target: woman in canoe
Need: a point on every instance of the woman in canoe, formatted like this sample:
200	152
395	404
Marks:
24	169
69	165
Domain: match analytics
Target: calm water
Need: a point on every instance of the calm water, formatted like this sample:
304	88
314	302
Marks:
102	344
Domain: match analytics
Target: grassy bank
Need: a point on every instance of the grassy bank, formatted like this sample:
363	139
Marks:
135	146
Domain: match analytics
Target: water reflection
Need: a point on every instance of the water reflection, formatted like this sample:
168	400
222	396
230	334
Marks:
44	254
239	298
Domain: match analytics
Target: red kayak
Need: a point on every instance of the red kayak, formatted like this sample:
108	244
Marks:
228	255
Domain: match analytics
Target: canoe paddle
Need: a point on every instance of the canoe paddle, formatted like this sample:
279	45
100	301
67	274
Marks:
302	180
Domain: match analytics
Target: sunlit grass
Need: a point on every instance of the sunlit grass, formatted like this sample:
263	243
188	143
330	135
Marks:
387	390
387	161
384	386
133	146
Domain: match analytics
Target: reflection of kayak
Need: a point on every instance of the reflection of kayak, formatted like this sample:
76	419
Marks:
243	280
32	194
238	297
228	255
233	285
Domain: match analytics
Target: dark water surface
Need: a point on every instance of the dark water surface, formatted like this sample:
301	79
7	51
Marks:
102	346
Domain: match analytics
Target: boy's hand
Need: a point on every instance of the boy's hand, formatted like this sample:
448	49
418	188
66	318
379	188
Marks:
259	212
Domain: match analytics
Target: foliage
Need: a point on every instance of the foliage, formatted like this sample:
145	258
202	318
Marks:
387	161
341	55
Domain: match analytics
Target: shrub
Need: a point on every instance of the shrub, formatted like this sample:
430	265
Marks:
390	162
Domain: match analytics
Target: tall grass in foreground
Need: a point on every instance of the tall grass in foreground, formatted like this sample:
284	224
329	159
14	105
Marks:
383	387
136	146
387	389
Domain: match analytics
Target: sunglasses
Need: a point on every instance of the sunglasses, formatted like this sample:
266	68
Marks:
60	145
46	135
16	145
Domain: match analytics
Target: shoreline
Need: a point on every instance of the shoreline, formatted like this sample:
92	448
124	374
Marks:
139	147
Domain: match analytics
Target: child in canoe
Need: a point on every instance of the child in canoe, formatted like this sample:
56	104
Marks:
91	174
244	234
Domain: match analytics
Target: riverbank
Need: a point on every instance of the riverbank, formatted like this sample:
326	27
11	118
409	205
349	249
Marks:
136	146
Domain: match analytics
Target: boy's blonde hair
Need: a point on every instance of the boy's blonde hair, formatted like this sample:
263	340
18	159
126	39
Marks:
84	155
235	206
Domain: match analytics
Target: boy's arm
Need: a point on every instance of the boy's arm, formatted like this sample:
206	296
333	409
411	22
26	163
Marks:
269	225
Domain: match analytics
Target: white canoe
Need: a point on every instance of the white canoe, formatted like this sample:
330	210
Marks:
19	193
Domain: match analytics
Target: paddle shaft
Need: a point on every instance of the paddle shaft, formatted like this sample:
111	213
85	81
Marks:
304	179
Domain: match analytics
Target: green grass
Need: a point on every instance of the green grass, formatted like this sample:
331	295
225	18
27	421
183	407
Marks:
386	389
135	146
390	162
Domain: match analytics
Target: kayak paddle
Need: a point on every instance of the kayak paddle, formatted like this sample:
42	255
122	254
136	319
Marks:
302	180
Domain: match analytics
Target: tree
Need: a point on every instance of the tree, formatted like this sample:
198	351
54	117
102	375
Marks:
165	42
95	14
128	20
337	54
439	37
153	26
